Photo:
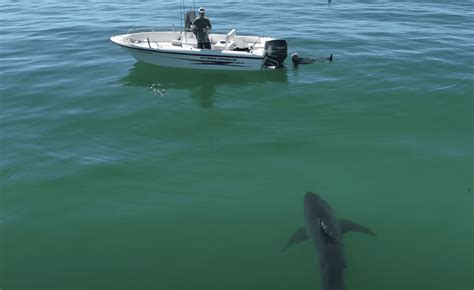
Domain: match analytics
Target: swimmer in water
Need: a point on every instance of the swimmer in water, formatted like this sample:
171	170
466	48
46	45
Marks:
296	59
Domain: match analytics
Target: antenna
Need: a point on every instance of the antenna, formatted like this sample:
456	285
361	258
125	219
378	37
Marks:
181	16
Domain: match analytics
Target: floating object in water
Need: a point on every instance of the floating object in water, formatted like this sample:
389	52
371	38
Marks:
296	59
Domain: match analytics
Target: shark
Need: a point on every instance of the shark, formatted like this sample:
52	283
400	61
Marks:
325	231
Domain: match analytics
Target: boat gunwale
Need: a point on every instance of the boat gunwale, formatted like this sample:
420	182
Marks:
196	53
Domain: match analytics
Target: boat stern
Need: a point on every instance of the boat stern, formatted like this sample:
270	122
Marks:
276	51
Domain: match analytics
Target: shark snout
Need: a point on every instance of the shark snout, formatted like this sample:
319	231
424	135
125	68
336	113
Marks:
311	198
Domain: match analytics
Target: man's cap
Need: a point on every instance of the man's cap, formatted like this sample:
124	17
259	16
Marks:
202	10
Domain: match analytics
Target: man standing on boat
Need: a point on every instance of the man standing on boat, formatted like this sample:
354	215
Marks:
201	27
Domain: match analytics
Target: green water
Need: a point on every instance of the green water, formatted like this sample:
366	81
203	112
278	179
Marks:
121	175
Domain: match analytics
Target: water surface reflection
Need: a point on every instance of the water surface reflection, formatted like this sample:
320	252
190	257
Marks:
201	84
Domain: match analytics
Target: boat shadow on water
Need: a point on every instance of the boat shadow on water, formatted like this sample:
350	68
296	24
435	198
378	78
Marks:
202	84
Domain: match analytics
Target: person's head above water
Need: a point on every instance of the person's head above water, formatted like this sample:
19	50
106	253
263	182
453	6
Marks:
295	57
202	12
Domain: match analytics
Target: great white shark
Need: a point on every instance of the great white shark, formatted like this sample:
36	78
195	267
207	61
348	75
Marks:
325	231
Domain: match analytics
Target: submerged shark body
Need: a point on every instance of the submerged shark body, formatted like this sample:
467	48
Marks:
325	231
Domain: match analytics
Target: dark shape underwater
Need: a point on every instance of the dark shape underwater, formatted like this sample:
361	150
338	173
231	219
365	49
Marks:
325	231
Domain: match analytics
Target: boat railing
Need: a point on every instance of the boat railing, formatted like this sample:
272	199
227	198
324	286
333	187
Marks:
139	42
152	29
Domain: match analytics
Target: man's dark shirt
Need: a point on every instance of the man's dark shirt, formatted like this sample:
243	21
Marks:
201	25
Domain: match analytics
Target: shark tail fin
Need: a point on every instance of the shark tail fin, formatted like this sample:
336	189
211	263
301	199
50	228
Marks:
298	237
350	226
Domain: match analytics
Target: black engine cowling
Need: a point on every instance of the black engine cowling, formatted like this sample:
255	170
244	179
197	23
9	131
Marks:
276	52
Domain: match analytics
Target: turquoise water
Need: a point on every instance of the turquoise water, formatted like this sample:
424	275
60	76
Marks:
121	175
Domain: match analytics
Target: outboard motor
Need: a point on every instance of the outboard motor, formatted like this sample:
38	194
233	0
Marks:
276	52
189	19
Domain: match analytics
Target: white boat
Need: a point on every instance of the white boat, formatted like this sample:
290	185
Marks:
228	51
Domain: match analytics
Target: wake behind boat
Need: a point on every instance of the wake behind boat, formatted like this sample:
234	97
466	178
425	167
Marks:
180	49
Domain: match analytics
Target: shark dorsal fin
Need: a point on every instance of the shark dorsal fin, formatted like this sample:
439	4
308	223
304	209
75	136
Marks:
350	226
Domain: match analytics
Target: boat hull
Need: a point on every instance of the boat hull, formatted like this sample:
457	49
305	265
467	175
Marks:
199	59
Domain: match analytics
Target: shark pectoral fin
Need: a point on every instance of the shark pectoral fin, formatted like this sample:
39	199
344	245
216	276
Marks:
349	226
298	237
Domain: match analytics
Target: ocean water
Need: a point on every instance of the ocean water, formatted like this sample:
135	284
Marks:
121	175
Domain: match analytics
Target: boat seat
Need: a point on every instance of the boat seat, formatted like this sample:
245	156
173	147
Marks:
227	42
230	36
